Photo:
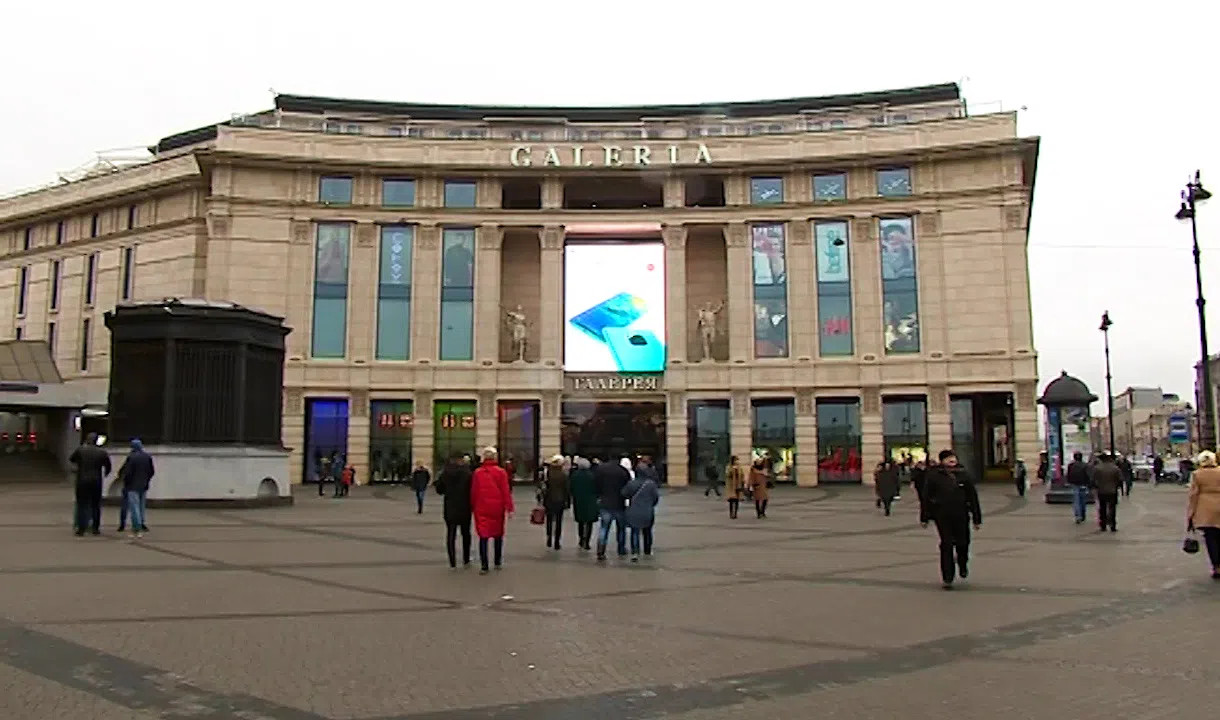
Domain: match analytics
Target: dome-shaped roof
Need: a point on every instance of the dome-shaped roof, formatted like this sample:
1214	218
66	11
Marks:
1066	390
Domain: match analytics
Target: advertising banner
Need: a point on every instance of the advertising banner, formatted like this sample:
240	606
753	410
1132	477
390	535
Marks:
614	307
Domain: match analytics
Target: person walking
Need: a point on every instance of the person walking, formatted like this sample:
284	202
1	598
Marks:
1108	480
1124	464
760	484
886	480
712	477
642	493
609	479
951	501
491	500
420	479
453	484
136	473
1203	507
92	465
734	485
1158	469
1020	476
1044	468
584	501
1078	476
556	497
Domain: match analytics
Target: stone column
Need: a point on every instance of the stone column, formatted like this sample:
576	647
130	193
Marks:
361	294
872	443
1027	433
866	288
358	435
802	291
736	190
676	442
488	192
489	316
806	439
675	292
487	427
425	295
930	261
675	191
422	431
552	192
548	424
940	430
550	276
740	281
741	435
300	274
293	432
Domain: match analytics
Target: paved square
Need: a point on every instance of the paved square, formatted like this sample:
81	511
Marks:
348	609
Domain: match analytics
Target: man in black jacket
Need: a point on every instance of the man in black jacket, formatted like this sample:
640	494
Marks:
1108	479
453	483
609	479
92	466
1079	476
136	474
951	501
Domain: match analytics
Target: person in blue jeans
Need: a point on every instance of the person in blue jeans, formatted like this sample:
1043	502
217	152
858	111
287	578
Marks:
419	483
136	474
642	495
609	479
1080	478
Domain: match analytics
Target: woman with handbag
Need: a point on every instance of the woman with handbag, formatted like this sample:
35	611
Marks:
1203	507
491	500
760	483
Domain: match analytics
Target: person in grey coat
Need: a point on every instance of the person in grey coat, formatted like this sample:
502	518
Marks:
642	495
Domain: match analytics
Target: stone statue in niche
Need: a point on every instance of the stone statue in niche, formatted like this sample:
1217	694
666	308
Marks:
707	316
518	328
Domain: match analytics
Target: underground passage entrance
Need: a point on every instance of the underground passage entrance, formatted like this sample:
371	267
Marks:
608	429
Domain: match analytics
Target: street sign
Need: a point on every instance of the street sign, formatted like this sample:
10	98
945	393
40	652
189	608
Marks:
1179	429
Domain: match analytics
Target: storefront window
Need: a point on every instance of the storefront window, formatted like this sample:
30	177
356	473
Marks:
707	436
899	286
517	438
454	424
961	419
839	441
904	427
325	436
770	291
390	429
774	437
834	289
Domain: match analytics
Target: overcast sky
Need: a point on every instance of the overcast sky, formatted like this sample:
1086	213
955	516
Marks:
1126	107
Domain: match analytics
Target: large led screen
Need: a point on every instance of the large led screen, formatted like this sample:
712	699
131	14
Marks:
614	307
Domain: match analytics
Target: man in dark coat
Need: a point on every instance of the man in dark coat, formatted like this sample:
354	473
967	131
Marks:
92	466
419	483
886	480
609	478
1128	474
1108	479
453	483
136	474
952	502
1079	477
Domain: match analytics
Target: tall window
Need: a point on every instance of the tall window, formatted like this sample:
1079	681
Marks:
56	271
398	192
774	438
330	291
335	190
457	295
28	239
59	233
85	328
770	291
517	438
899	286
766	190
894	182
131	216
90	277
460	193
23	289
962	425
51	339
93	225
834	289
829	186
390	431
904	427
394	293
126	279
839	440
454	430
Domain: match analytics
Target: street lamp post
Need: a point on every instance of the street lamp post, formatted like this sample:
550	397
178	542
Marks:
1105	331
1194	194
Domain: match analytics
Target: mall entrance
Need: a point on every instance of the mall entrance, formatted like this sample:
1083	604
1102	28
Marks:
606	429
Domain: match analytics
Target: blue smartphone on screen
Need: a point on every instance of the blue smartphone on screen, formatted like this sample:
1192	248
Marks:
616	312
636	350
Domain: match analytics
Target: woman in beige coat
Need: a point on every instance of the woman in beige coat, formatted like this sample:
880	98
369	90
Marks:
734	485
1203	507
758	483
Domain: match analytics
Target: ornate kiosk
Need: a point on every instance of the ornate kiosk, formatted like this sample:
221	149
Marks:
1067	400
201	384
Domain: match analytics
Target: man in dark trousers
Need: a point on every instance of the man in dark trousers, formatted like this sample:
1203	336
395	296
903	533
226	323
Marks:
609	479
136	474
1108	479
419	483
1079	477
92	466
453	483
951	501
1128	474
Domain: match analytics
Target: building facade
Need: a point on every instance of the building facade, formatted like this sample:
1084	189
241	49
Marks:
822	282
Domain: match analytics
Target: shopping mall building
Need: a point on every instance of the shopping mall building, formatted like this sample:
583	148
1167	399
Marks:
824	281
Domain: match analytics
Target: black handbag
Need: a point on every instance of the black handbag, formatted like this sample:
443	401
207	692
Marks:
1190	545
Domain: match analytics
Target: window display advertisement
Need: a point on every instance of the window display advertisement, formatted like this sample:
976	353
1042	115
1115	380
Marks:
614	307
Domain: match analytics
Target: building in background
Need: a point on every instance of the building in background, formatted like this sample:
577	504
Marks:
1143	419
822	281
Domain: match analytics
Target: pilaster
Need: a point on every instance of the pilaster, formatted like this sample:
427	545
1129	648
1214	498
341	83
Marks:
675	295
741	440
425	296
872	441
866	287
423	432
940	425
675	191
292	432
549	440
931	265
806	439
300	276
489	239
552	192
802	291
740	280
358	435
361	292
676	441
1016	271
736	190
486	428
1026	440
550	277
488	192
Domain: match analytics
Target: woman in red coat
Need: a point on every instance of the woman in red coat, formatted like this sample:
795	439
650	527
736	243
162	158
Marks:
490	500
